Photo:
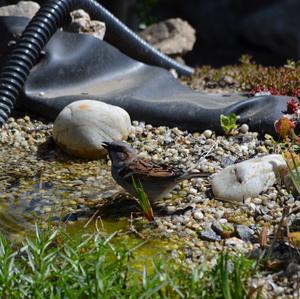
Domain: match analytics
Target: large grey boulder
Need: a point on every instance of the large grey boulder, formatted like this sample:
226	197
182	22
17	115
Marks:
21	9
172	36
277	27
217	23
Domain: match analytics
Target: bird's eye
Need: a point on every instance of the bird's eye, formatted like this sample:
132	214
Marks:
122	156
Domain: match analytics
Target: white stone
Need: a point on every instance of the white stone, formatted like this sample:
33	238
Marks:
21	9
82	126
257	200
219	214
236	243
198	214
207	133
248	178
193	191
244	128
223	220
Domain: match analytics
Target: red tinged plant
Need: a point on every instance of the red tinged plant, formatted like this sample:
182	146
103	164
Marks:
293	106
284	127
277	81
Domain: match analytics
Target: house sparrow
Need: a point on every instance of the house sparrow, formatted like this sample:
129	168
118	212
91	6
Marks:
157	180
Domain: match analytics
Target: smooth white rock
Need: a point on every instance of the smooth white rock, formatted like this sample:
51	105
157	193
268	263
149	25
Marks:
82	126
248	178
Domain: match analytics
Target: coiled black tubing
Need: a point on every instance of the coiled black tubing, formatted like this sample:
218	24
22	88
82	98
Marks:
44	24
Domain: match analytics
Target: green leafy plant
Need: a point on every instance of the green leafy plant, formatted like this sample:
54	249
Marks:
143	200
228	123
292	64
293	163
53	264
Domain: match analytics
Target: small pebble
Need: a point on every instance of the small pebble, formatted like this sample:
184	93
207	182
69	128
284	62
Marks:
209	235
198	199
198	214
217	227
207	133
262	149
244	232
193	191
237	243
182	193
171	209
244	128
219	214
223	221
257	200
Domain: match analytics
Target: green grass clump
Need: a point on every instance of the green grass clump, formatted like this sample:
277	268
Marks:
54	265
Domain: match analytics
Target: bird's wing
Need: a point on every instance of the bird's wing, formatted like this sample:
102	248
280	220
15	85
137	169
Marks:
144	169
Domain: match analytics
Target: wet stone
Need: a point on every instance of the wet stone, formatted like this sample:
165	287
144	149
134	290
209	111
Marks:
292	269
244	232
217	227
209	235
295	225
70	217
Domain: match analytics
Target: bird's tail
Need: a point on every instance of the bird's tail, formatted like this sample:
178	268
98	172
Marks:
191	175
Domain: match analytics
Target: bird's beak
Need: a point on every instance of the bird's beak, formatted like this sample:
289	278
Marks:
105	144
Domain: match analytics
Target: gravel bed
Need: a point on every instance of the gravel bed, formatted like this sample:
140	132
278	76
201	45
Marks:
38	181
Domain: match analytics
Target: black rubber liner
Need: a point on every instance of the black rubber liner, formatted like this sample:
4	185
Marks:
77	66
44	24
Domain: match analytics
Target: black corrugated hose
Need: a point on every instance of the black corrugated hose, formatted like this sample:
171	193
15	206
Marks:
44	24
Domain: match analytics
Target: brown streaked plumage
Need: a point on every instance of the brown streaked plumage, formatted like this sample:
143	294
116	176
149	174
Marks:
157	180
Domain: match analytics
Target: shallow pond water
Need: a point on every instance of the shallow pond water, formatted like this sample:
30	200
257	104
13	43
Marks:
144	249
54	189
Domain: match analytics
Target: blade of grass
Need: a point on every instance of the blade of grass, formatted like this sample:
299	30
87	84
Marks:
142	200
224	276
